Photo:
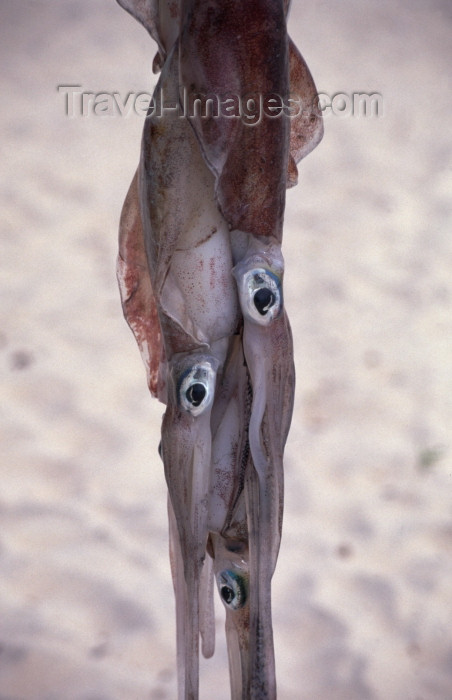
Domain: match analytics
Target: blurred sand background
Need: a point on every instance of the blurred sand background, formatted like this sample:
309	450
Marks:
363	589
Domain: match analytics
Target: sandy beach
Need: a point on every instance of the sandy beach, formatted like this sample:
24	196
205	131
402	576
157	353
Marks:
363	589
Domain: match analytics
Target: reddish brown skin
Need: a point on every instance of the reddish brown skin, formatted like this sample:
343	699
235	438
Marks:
138	300
306	129
238	48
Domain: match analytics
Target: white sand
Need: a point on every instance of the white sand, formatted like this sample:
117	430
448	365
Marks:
363	589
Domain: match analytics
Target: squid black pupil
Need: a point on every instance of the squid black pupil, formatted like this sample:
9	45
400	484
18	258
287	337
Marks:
227	594
195	394
264	300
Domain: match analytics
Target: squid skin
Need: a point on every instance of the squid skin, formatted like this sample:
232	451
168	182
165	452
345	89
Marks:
236	48
306	125
201	272
137	296
186	238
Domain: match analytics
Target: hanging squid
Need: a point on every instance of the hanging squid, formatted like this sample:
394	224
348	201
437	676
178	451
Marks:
200	271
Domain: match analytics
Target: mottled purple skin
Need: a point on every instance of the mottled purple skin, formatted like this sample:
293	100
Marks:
205	210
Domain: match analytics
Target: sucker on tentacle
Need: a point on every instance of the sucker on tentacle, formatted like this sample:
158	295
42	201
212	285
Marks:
201	274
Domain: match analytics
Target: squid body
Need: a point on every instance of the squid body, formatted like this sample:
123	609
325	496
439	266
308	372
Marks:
200	271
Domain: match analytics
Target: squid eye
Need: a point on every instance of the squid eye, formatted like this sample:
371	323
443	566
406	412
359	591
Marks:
195	394
233	589
264	299
261	296
196	388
